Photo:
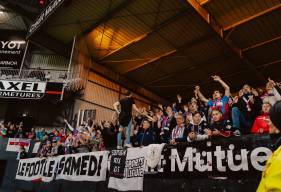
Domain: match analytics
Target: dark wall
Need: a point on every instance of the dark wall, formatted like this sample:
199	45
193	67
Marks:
150	185
32	112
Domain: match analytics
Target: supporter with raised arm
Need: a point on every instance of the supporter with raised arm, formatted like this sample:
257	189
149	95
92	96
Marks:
219	101
245	110
271	95
179	104
69	127
124	108
260	125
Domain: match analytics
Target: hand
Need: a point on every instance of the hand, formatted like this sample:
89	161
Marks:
251	98
235	99
158	116
255	92
192	136
144	113
216	77
272	128
208	132
215	132
101	126
179	97
240	93
197	88
271	81
173	142
193	100
65	120
135	132
196	93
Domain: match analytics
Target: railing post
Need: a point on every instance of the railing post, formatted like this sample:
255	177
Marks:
23	58
68	70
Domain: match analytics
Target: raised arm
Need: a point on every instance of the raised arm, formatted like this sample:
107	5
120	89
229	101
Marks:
68	125
136	109
115	106
200	95
223	84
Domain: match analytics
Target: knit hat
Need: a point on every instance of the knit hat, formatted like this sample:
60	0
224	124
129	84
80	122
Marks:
275	115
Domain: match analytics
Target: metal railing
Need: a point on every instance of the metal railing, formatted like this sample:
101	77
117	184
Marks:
33	75
71	80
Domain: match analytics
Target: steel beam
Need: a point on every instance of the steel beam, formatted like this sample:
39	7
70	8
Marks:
185	46
188	68
213	24
266	11
261	43
150	61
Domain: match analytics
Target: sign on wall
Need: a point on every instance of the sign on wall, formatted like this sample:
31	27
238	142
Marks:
22	89
12	47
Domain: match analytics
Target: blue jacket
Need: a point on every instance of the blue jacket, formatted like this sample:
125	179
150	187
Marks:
145	137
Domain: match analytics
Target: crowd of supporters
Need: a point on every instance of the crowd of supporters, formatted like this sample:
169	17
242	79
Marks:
197	119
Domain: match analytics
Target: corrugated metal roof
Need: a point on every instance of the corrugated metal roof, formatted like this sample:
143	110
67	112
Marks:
265	54
138	19
167	39
145	30
78	17
228	12
205	53
265	28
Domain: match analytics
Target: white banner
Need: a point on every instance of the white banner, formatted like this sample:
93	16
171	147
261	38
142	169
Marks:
15	143
83	166
133	172
37	169
76	167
